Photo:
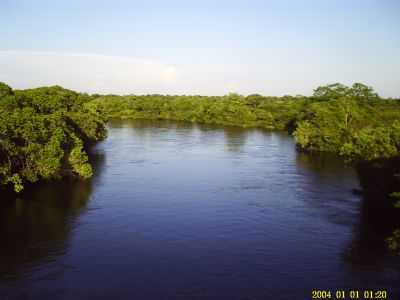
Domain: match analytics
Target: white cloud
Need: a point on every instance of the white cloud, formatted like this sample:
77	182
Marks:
86	72
278	73
96	73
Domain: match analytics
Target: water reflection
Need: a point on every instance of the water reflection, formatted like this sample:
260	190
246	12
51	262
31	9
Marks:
365	254
328	186
35	226
235	138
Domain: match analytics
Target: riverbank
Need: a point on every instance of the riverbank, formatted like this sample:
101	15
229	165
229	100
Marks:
44	131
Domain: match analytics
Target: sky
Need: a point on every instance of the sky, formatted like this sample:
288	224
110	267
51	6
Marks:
200	47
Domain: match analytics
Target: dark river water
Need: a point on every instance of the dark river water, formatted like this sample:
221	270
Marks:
182	211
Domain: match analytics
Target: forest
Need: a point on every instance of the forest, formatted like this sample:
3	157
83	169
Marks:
45	133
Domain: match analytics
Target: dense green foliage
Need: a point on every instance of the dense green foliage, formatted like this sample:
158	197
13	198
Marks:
233	109
43	133
353	122
350	121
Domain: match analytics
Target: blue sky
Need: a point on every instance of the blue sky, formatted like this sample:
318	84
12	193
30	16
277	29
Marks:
200	47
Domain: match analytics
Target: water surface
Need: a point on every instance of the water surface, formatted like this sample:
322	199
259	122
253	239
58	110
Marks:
183	211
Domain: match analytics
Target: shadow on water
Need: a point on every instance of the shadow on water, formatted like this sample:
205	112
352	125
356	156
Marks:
328	187
371	214
234	137
36	225
377	218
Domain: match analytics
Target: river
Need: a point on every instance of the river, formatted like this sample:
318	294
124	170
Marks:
183	211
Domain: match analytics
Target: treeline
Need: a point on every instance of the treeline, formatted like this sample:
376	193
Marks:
43	134
233	109
351	121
